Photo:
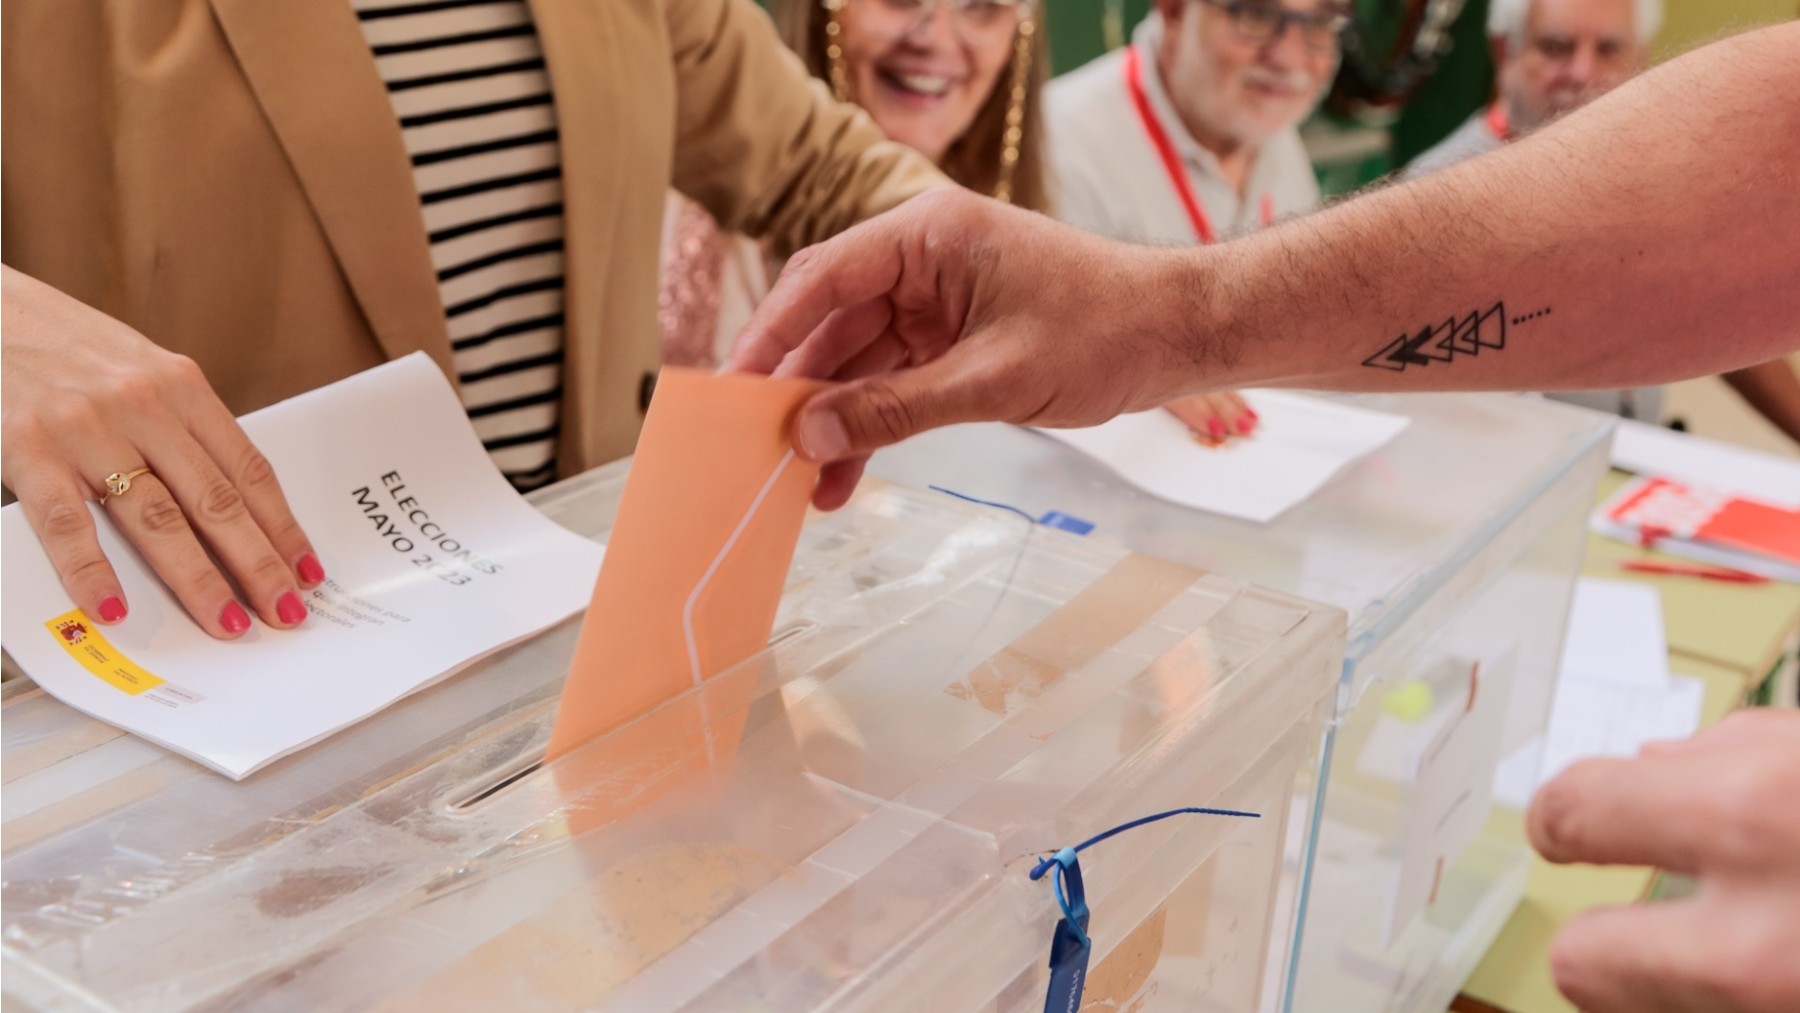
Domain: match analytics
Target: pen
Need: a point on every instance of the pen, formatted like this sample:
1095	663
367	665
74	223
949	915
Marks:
1720	573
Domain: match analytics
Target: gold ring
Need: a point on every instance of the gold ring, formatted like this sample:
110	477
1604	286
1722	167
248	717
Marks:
119	483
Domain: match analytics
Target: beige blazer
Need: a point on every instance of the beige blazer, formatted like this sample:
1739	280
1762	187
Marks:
228	177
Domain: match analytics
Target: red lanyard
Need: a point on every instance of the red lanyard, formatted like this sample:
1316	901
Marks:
1497	123
1165	148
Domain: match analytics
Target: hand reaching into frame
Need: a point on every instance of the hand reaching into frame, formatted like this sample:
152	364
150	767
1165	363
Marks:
1723	807
955	308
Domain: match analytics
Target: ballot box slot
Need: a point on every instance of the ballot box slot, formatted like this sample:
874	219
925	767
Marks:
791	630
495	783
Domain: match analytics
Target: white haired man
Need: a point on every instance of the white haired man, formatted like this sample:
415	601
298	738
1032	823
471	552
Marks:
1188	135
1552	57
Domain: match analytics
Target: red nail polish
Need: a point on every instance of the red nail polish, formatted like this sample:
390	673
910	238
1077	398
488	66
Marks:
1250	413
288	607
112	610
309	569
1215	429
1245	423
234	618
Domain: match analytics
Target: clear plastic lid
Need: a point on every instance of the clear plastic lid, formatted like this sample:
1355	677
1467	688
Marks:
1381	540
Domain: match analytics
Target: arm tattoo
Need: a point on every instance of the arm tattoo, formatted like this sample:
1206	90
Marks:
1454	336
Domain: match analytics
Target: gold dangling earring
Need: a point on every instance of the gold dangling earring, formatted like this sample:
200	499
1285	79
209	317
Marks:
834	51
1015	112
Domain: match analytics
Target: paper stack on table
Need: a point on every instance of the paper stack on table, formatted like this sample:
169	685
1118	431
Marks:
1707	525
1707	464
1300	442
1613	692
432	561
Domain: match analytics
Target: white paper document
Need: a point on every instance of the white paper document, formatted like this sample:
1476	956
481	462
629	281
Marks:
432	561
1616	635
1300	442
1613	691
1595	718
1708	464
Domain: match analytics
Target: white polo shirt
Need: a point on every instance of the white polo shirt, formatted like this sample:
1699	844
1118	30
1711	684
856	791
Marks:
1111	180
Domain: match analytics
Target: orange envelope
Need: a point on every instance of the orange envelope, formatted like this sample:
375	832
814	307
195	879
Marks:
699	552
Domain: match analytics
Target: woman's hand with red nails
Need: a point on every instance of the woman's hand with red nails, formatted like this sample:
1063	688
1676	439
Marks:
1214	418
86	397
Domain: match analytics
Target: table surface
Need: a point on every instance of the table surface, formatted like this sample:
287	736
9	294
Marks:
1737	626
1729	636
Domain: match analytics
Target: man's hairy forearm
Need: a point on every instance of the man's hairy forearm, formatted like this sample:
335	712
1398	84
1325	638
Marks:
1652	236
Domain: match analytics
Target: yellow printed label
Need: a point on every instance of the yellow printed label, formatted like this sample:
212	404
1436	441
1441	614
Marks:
89	647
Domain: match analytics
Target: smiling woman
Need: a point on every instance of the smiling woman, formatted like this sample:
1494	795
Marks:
955	79
958	80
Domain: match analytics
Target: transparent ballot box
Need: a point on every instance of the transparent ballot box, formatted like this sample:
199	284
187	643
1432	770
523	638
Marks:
844	822
1454	549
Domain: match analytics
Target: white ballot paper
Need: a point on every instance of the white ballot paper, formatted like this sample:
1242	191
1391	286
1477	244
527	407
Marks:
1299	443
1614	691
432	561
1593	717
1616	635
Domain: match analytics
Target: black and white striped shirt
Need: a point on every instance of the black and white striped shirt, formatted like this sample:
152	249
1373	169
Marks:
467	80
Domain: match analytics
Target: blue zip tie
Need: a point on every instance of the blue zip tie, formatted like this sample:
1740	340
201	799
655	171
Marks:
1075	916
1070	946
1044	866
1077	913
1066	522
983	502
1054	519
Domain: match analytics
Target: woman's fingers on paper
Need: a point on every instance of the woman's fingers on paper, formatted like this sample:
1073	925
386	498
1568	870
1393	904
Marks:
57	508
250	473
1214	418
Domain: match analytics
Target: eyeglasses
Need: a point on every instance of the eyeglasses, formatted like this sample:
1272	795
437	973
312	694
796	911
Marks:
977	22
1264	21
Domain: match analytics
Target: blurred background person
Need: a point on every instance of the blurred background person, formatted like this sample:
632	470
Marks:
959	81
1190	135
1552	57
